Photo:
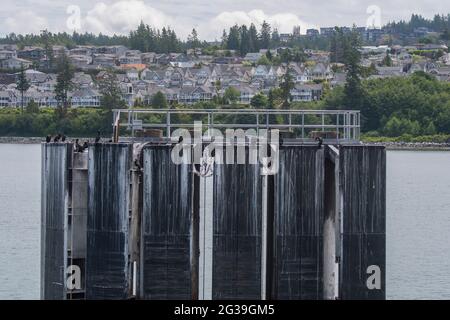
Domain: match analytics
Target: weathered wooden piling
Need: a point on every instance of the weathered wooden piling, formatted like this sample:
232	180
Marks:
107	259
56	161
298	224
237	194
363	192
166	248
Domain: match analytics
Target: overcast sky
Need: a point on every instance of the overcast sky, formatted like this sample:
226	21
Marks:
209	17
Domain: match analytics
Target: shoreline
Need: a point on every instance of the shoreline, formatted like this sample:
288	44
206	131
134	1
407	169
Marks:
398	146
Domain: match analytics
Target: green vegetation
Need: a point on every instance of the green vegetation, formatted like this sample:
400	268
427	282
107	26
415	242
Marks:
77	122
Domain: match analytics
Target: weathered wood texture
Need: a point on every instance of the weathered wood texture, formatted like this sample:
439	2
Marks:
237	232
166	234
363	187
54	206
107	264
298	224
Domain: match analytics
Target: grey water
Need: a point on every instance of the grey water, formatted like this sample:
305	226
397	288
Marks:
418	223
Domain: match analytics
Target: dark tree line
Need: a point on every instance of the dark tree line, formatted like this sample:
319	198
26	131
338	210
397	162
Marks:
439	23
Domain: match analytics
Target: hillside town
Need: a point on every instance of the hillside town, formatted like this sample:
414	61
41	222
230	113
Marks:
197	76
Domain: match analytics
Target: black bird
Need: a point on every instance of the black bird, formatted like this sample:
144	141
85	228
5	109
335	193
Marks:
320	140
48	139
63	138
97	138
85	145
57	138
78	147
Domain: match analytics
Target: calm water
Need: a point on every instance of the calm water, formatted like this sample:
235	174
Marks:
418	223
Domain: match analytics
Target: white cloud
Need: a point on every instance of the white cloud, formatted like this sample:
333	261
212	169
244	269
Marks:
123	16
25	22
284	22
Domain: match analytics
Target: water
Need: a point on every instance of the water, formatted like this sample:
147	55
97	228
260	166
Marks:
418	223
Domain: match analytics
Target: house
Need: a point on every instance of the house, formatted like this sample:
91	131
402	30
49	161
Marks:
133	74
386	72
6	78
148	58
103	61
320	72
285	37
131	57
85	97
7	98
15	63
306	92
253	57
7	54
312	32
327	32
189	95
80	61
299	73
115	51
31	53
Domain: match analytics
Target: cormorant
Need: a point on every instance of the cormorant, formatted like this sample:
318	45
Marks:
48	139
97	138
57	138
63	138
85	145
320	140
78	147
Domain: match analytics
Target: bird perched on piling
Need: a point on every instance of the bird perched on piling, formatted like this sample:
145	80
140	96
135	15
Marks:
85	145
98	137
57	138
320	142
78	147
48	139
63	138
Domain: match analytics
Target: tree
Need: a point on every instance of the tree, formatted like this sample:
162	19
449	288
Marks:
22	85
387	61
352	58
231	95
265	35
286	85
159	101
233	40
253	38
244	46
193	41
111	95
64	84
259	101
264	61
48	48
32	107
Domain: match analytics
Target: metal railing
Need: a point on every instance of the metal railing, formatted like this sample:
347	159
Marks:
340	125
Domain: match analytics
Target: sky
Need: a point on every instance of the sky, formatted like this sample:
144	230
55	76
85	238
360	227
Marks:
209	17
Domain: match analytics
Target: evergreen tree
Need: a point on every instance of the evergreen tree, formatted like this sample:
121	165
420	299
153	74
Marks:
22	85
65	73
159	101
111	94
244	46
286	85
48	48
352	58
233	41
265	35
253	39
